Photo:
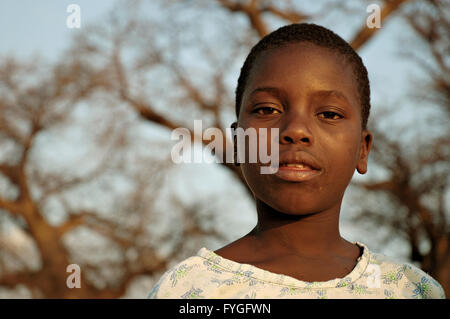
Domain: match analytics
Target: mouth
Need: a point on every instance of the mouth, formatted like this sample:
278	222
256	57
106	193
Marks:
298	167
297	172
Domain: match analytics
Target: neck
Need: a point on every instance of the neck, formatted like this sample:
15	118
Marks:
312	235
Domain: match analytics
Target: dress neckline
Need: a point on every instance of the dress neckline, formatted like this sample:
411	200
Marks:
285	280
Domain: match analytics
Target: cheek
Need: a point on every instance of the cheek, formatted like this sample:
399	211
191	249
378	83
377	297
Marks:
342	156
260	146
257	182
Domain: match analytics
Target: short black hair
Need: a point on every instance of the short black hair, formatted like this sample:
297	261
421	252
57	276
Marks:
318	35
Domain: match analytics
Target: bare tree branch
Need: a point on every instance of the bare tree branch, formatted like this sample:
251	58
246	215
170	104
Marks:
365	34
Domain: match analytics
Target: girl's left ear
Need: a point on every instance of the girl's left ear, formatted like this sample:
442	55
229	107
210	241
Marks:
366	144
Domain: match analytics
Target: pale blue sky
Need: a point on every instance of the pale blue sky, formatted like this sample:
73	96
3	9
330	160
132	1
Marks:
28	26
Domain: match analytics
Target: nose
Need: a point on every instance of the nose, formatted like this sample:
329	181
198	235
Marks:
296	129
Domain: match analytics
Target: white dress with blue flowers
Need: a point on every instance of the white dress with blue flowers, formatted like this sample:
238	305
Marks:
208	275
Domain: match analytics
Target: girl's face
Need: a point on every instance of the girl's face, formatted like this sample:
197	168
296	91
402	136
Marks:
310	95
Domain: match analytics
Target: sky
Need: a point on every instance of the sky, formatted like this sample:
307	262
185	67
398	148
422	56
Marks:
29	28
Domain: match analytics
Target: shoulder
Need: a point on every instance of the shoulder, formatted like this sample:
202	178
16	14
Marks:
179	280
412	281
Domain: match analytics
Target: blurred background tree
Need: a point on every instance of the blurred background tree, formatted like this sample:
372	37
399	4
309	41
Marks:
85	169
412	201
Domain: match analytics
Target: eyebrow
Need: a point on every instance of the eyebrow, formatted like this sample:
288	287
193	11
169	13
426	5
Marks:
269	89
322	93
332	93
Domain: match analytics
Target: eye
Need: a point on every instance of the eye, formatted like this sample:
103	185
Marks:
330	115
266	110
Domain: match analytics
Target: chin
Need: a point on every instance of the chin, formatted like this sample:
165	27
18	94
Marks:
296	207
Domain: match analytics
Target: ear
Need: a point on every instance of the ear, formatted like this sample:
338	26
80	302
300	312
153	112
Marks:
366	145
234	126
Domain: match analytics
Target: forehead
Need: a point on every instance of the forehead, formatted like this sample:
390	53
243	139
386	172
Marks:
301	67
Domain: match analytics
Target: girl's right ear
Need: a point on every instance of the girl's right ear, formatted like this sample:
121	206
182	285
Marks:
234	126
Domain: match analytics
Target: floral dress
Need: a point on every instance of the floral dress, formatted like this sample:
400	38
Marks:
208	275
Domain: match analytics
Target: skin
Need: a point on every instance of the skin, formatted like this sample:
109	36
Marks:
297	233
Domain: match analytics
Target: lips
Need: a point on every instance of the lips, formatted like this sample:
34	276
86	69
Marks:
299	159
298	167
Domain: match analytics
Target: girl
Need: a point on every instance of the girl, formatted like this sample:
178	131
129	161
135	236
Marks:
310	84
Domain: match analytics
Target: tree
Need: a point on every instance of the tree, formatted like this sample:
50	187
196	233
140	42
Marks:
39	104
417	169
166	75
